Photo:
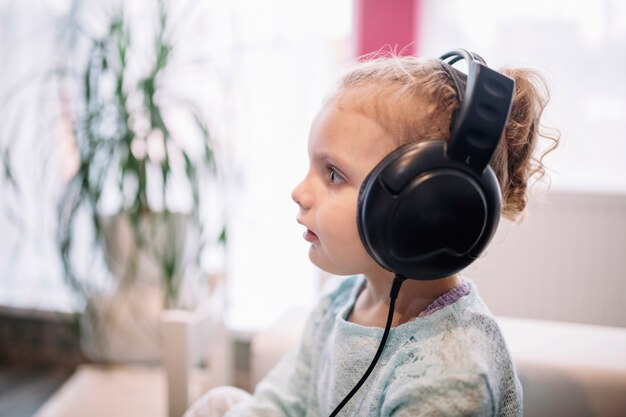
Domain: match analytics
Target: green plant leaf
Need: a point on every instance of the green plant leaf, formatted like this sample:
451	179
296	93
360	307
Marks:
103	129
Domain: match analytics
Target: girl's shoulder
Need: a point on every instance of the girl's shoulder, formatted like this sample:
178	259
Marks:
463	320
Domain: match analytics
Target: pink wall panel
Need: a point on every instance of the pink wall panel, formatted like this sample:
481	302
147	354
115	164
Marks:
389	24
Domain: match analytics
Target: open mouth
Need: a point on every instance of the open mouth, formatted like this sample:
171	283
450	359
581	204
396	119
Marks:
309	236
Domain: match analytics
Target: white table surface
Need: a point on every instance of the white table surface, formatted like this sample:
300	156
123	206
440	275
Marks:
115	391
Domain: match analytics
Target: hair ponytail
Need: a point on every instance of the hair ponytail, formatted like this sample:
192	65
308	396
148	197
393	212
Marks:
514	160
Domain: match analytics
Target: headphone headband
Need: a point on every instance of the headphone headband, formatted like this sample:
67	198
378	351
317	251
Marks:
459	54
479	121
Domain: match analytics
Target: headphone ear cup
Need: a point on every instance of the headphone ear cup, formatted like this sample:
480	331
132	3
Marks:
423	216
440	213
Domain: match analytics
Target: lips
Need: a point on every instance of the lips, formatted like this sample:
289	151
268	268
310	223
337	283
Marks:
309	236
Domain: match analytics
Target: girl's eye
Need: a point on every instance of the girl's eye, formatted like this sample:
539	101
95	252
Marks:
334	177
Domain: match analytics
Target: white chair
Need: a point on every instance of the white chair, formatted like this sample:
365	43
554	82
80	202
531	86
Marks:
195	354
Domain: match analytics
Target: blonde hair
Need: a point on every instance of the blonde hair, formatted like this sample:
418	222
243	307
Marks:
411	98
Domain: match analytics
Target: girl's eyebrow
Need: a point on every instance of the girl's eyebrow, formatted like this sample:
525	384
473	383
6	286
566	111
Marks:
337	162
329	157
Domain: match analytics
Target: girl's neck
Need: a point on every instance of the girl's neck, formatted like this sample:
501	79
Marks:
372	304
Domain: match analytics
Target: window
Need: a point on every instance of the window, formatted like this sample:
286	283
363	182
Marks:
277	60
290	55
29	273
579	47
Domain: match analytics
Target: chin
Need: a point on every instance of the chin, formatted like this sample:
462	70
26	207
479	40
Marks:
333	267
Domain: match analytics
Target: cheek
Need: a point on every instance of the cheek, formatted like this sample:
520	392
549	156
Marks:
340	231
339	220
341	251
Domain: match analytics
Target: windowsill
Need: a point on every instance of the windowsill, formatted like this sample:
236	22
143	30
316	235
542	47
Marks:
35	312
36	304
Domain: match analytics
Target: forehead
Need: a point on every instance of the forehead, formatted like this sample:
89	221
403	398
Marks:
341	132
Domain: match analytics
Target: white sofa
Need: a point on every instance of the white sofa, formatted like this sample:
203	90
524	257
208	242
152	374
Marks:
569	370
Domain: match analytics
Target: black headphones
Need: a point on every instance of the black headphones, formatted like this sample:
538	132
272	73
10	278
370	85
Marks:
430	208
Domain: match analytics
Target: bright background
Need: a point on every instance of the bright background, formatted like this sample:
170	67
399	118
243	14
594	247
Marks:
274	61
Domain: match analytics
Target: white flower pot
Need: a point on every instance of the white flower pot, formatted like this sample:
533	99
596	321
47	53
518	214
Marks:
122	325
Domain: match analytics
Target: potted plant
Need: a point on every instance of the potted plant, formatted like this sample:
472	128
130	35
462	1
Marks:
129	152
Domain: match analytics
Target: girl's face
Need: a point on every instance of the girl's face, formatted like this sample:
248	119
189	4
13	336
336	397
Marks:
344	146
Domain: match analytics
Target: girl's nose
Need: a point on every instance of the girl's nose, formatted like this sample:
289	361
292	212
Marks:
301	196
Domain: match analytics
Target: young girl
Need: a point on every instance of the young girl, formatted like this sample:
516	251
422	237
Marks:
445	354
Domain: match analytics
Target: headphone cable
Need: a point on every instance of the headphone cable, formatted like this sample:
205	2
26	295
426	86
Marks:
395	289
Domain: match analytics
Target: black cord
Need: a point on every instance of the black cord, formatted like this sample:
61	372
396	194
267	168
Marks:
395	289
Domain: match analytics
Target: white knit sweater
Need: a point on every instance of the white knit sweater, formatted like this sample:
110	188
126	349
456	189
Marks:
451	362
